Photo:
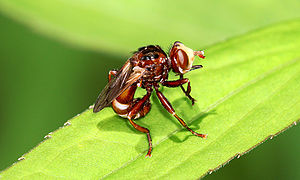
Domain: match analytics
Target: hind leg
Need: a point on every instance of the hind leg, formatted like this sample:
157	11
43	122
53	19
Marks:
139	109
111	73
144	109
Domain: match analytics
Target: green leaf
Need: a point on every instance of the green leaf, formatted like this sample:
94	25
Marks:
247	92
121	26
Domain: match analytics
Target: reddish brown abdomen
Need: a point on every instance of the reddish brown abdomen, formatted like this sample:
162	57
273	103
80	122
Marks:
124	103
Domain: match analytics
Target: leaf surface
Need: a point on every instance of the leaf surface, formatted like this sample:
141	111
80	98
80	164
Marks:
247	92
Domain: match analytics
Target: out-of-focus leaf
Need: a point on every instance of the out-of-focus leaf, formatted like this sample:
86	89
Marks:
122	26
247	92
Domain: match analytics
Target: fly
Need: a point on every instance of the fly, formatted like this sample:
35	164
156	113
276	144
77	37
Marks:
148	68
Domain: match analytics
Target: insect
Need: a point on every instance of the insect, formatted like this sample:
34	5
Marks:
148	68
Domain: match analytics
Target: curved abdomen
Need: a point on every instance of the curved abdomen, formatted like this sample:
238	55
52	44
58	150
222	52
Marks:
124	103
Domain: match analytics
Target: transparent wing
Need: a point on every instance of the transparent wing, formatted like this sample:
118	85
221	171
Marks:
125	77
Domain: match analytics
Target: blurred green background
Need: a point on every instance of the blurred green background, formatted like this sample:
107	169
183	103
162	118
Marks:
47	77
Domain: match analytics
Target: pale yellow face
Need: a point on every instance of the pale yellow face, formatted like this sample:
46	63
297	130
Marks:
190	54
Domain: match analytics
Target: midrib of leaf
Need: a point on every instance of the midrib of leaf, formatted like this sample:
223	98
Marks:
214	105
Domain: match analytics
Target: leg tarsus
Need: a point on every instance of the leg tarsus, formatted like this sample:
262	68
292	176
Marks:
150	145
186	126
144	130
188	91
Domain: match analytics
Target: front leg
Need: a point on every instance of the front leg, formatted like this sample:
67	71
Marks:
187	92
180	83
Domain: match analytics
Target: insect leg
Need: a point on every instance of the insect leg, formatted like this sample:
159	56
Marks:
180	83
175	83
145	109
111	73
188	91
133	112
196	67
167	105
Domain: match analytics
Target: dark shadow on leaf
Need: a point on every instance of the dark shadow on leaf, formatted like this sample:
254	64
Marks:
178	102
175	104
195	126
162	111
174	138
116	123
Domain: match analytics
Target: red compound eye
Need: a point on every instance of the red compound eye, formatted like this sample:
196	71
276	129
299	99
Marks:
182	59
